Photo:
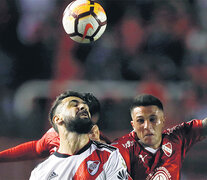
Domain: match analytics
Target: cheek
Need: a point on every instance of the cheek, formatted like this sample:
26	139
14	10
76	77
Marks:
139	129
159	122
159	127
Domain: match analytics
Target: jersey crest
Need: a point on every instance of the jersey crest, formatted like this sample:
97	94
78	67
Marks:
160	173
167	149
92	167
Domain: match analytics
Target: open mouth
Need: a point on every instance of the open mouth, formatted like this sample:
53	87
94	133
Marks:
83	113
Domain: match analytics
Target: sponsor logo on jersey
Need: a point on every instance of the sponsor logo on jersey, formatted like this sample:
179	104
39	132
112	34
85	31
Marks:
128	144
122	175
161	173
167	149
92	167
52	175
142	157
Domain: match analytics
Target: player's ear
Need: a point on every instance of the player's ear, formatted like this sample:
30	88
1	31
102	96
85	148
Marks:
132	123
163	120
57	119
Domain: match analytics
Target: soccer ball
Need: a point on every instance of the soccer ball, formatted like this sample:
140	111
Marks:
84	20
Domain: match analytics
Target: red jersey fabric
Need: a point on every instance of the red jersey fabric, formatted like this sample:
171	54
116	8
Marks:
25	151
166	162
36	149
49	142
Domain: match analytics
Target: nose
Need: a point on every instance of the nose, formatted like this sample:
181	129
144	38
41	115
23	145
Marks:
147	124
82	106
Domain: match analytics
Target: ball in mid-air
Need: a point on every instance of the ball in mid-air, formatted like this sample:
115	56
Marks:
84	20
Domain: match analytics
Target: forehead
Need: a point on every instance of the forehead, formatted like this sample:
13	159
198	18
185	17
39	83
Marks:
72	98
146	110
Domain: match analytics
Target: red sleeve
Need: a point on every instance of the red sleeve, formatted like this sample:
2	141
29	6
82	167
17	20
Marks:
189	133
25	151
32	149
192	133
48	143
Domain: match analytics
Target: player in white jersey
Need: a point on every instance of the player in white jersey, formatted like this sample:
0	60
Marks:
93	161
78	157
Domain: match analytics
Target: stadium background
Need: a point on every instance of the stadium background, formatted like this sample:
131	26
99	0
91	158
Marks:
149	46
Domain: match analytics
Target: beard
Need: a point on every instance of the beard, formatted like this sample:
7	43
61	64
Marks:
80	125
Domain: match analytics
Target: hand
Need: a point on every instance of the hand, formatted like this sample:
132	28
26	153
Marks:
95	133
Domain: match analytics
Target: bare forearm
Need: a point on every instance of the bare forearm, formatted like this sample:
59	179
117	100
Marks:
204	122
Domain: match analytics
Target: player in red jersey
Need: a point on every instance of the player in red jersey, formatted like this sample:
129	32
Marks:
151	153
78	157
50	140
135	147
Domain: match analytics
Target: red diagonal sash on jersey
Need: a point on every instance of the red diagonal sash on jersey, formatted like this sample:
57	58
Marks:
92	166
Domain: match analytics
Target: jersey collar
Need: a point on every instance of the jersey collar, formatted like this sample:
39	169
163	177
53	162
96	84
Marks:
79	152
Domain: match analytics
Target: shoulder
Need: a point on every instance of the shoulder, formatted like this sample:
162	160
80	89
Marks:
48	141
188	132
103	146
126	137
50	135
125	141
51	132
42	168
185	126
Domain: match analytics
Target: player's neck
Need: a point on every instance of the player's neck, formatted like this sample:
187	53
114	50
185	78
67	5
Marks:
71	143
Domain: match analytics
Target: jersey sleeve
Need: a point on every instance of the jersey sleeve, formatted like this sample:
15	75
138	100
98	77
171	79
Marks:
25	151
189	133
116	168
48	143
33	149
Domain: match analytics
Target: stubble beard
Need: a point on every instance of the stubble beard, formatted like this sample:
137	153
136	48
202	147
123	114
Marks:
80	125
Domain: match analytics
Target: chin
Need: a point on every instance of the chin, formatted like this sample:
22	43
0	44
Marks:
148	142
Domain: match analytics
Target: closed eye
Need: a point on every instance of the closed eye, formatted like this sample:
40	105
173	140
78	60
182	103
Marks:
73	103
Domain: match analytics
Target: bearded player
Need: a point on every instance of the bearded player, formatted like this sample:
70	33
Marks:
49	143
148	151
78	157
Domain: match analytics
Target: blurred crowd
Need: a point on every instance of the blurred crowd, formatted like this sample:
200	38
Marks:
153	42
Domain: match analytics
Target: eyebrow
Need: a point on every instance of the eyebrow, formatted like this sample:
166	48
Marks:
74	100
143	116
77	101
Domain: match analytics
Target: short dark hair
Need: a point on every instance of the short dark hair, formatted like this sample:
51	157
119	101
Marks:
93	103
89	98
146	100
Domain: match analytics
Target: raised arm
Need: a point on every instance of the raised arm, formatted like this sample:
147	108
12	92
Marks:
32	149
25	151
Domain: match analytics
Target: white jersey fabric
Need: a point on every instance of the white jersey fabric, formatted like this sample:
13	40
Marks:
94	161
